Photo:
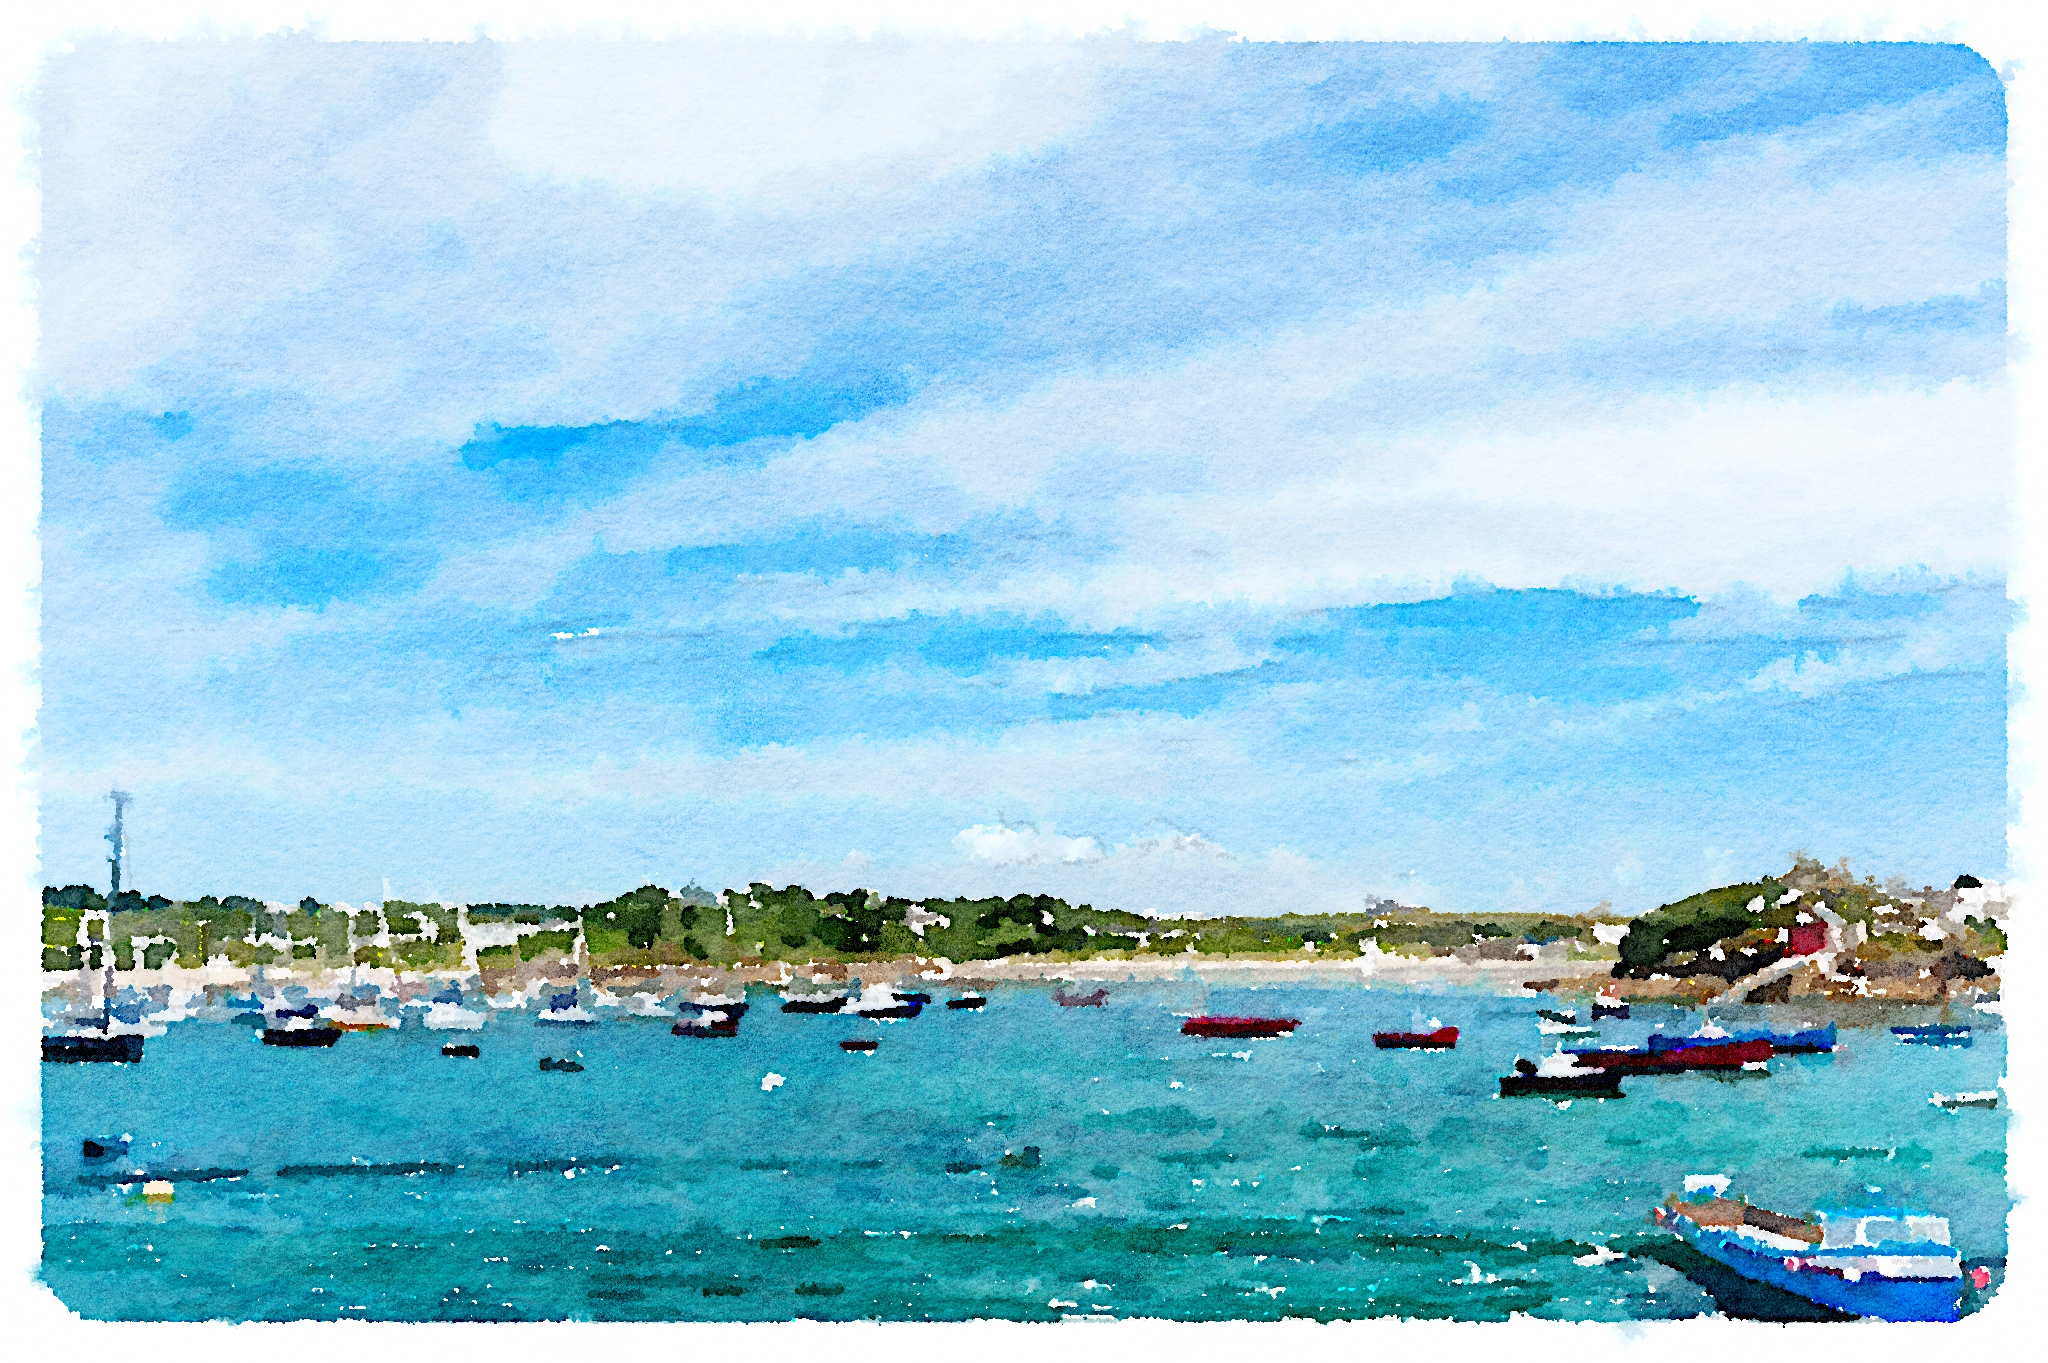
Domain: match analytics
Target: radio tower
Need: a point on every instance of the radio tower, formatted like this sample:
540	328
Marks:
117	839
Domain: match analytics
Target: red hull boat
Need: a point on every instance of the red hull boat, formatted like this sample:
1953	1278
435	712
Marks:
1442	1039
1728	1055
1238	1027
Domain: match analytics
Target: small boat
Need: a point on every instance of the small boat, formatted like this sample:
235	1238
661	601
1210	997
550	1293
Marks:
1710	1048
1440	1039
710	1017
1239	1027
1934	1034
563	1010
301	1036
106	1147
463	1049
967	1001
563	1066
814	1003
1952	1101
1812	1040
447	1013
923	999
1891	1264
1551	1026
120	1048
1564	1015
360	1023
860	1046
1557	1076
1094	1000
881	1001
1607	1006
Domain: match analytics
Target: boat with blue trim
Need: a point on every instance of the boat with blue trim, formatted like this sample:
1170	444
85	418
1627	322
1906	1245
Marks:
1886	1263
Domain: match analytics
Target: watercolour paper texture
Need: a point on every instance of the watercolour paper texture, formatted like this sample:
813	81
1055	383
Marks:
915	679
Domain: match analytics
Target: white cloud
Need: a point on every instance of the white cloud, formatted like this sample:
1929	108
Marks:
799	121
1006	844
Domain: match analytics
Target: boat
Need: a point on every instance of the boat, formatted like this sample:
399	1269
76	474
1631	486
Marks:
1952	1101
1565	1015
563	1010
1934	1034
1892	1264
563	1066
1094	1000
453	1017
1701	1055
1557	1076
301	1036
1440	1039
119	1048
1812	1040
710	1017
860	1046
967	1001
463	1049
1551	1026
106	1147
1239	1027
1609	1006
814	1003
881	1001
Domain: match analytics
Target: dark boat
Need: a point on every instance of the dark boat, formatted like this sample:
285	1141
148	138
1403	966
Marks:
1701	1055
825	1003
1602	1010
463	1049
123	1048
1566	1015
1442	1039
880	1002
1239	1027
301	1036
710	1019
105	1148
560	1066
1094	1000
967	1001
921	999
1934	1034
1529	1081
858	1045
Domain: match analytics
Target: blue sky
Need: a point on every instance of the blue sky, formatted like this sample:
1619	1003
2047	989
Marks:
1189	477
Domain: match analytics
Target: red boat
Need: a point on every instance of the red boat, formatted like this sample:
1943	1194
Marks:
1442	1039
1726	1055
1239	1026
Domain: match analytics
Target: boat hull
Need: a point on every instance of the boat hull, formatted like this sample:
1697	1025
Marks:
975	1001
1442	1039
1895	1299
835	1004
1726	1055
1239	1027
1600	1085
75	1050
301	1036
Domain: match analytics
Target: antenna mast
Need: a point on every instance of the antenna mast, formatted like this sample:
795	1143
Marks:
117	839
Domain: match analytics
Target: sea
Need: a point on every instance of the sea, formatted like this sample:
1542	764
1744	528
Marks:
1026	1162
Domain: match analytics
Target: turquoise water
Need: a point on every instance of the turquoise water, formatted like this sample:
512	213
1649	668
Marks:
1173	1176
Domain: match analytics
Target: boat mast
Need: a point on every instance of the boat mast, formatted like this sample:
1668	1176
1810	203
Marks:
117	839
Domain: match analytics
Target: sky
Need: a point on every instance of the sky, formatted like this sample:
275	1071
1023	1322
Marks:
1186	477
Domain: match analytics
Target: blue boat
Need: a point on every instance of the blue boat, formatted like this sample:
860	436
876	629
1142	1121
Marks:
1934	1034
1890	1264
1810	1040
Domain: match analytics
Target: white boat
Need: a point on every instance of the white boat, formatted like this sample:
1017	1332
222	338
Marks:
1952	1101
453	1017
564	1010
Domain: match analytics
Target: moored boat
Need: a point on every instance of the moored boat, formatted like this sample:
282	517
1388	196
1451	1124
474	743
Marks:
1704	1055
1558	1077
1439	1039
1094	1000
1811	1040
564	1010
119	1048
967	1001
1953	1101
1934	1034
1891	1264
709	1017
880	1001
814	1003
1239	1027
301	1036
1610	1006
861	1046
462	1049
560	1065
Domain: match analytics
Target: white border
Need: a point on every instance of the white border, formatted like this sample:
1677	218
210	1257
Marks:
2010	36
